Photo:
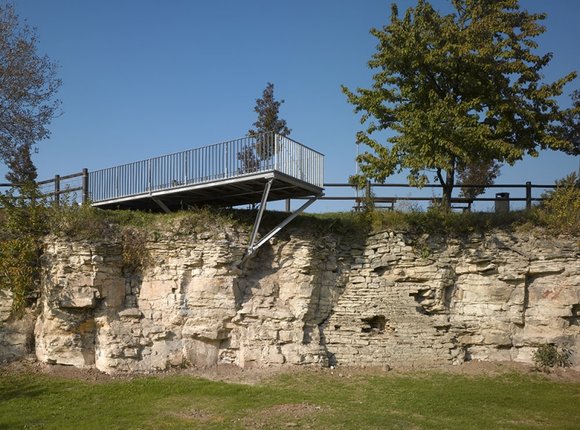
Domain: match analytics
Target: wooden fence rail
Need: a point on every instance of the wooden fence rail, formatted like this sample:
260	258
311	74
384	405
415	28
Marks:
369	196
367	193
58	190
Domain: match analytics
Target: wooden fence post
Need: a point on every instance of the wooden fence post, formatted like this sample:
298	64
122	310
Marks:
57	190
85	198
528	195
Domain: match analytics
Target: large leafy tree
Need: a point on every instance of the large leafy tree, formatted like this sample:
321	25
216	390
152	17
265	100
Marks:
28	85
457	90
572	124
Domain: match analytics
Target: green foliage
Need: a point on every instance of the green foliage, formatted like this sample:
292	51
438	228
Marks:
27	105
83	222
435	220
548	356
560	212
572	124
457	90
206	219
22	226
80	222
27	90
20	269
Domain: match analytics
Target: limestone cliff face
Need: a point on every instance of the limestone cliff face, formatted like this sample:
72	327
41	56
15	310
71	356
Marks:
391	298
16	334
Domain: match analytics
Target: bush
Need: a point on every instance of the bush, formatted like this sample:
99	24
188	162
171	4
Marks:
548	356
560	212
79	222
22	226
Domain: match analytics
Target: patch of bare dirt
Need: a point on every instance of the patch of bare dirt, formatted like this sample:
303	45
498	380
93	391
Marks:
198	415
223	372
256	375
30	366
287	415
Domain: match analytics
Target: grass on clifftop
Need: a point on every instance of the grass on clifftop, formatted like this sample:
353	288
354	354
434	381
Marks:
91	223
306	400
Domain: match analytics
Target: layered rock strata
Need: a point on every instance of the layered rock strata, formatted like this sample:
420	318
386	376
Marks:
392	298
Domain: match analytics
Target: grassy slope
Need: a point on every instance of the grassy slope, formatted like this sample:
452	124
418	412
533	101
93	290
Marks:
428	401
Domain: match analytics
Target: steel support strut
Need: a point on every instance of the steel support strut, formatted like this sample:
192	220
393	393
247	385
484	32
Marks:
161	204
252	247
261	210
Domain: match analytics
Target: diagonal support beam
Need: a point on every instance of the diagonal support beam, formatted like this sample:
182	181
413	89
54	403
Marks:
253	247
263	204
161	204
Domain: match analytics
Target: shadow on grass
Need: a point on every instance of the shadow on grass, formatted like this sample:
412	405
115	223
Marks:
21	390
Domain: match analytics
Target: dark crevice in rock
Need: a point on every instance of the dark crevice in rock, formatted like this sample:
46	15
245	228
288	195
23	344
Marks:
374	324
526	304
574	318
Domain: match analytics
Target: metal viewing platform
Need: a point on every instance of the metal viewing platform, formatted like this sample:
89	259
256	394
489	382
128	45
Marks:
252	169
231	173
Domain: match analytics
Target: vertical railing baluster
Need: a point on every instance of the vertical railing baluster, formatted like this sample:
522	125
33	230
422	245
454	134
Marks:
149	184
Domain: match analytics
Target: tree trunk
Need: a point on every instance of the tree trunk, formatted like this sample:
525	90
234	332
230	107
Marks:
448	183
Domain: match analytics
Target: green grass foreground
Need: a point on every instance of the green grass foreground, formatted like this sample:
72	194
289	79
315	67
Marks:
305	400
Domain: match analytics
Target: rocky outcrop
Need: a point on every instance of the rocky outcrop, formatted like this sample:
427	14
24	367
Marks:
392	298
16	332
429	300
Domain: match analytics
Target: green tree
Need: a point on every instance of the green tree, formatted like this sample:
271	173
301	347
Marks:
28	85
21	167
459	89
268	121
572	124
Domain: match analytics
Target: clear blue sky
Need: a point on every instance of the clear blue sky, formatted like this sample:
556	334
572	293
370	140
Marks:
143	78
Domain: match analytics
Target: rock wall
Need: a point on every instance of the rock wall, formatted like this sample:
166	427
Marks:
392	298
428	300
16	333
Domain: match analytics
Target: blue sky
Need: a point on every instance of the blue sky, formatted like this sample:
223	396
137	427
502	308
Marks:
143	78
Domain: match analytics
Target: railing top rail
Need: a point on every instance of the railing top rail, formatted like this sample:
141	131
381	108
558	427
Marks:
206	147
301	144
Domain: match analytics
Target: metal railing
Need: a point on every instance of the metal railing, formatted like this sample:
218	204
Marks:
232	159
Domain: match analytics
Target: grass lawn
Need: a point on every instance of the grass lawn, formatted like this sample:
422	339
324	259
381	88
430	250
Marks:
314	400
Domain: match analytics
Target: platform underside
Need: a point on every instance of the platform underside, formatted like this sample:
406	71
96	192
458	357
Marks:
230	192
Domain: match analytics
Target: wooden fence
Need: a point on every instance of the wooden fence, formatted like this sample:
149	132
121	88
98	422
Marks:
61	185
370	195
